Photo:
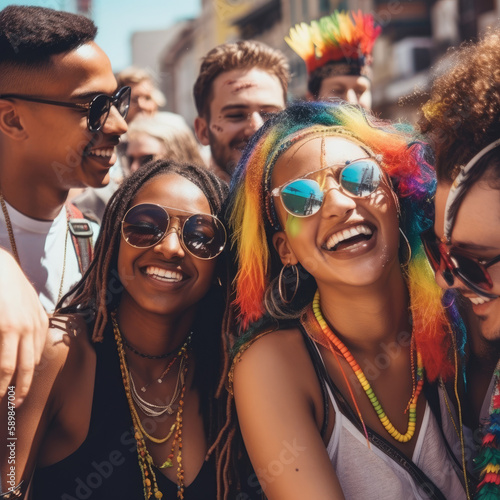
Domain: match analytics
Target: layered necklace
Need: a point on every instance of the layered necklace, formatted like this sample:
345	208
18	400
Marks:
153	410
336	344
146	465
13	245
488	458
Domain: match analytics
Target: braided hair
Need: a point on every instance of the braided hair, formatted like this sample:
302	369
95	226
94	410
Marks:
99	291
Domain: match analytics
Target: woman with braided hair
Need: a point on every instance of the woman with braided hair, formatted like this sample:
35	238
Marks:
339	313
123	402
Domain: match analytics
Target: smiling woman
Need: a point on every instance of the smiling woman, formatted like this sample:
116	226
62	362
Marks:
339	317
123	403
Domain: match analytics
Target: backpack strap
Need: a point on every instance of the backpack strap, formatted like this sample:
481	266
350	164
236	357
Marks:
81	234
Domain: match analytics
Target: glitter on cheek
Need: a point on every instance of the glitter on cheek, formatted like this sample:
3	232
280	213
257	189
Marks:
293	225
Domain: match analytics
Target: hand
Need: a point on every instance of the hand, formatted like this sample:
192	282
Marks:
23	328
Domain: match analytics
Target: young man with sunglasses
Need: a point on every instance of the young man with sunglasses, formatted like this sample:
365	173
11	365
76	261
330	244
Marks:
61	115
462	119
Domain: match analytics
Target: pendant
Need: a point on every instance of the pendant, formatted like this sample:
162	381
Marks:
160	380
166	464
143	389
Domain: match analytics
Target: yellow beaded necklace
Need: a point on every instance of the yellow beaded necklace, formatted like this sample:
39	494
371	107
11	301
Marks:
344	351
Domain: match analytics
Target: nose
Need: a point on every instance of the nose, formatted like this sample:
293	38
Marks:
254	122
443	282
115	123
170	246
335	202
351	97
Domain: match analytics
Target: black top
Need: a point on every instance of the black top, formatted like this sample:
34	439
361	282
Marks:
105	466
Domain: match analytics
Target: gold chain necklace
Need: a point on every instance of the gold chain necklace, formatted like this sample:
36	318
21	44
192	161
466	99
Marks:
13	245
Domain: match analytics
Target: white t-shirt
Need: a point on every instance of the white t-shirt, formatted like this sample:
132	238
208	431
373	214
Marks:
40	245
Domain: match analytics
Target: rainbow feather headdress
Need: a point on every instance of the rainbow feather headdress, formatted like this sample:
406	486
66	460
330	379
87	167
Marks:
342	37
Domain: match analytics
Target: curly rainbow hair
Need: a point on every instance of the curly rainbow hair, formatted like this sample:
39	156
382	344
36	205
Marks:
253	220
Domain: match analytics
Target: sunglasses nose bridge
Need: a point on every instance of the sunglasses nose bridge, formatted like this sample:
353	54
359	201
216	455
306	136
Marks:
171	244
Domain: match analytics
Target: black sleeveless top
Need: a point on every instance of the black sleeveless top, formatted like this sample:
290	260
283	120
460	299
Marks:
105	466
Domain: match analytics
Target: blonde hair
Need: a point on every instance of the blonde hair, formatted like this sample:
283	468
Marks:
134	75
173	132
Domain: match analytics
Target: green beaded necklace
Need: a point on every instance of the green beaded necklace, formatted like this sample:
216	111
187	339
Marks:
389	427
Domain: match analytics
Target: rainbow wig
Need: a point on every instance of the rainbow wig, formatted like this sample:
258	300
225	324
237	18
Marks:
342	37
253	219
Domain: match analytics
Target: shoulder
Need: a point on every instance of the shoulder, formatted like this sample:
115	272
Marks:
272	346
276	362
68	334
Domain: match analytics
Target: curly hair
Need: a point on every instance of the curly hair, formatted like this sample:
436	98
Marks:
239	55
29	36
462	114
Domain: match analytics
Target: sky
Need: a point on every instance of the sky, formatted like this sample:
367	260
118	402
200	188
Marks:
118	19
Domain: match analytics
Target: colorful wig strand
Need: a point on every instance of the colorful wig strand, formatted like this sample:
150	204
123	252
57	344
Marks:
253	219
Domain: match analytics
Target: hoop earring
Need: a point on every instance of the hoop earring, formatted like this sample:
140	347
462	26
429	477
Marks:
281	287
408	245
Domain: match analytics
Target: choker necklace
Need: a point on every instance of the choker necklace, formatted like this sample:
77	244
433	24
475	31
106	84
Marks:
151	409
13	245
344	351
146	464
153	356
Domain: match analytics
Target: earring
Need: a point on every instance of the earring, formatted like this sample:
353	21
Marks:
281	288
408	245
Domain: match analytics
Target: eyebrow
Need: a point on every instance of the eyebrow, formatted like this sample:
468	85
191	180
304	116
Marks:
229	107
473	246
88	96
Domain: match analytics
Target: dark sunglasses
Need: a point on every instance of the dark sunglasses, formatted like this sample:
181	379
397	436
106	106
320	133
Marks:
457	263
304	197
97	109
146	224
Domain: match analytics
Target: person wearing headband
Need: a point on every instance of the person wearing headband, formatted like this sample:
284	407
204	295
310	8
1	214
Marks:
337	51
335	322
462	120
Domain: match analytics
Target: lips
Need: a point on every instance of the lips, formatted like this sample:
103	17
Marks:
103	153
163	275
478	300
347	237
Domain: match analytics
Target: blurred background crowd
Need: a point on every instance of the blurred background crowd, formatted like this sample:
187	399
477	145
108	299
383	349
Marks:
409	54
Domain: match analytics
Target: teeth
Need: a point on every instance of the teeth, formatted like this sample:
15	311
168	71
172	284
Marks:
163	274
478	300
345	234
107	153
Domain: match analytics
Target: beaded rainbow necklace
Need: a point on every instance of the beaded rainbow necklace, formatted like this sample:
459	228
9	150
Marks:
344	351
146	464
488	458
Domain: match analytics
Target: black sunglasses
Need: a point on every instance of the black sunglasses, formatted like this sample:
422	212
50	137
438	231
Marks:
97	109
146	224
457	263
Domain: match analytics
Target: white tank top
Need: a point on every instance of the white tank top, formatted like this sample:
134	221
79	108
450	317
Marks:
369	474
